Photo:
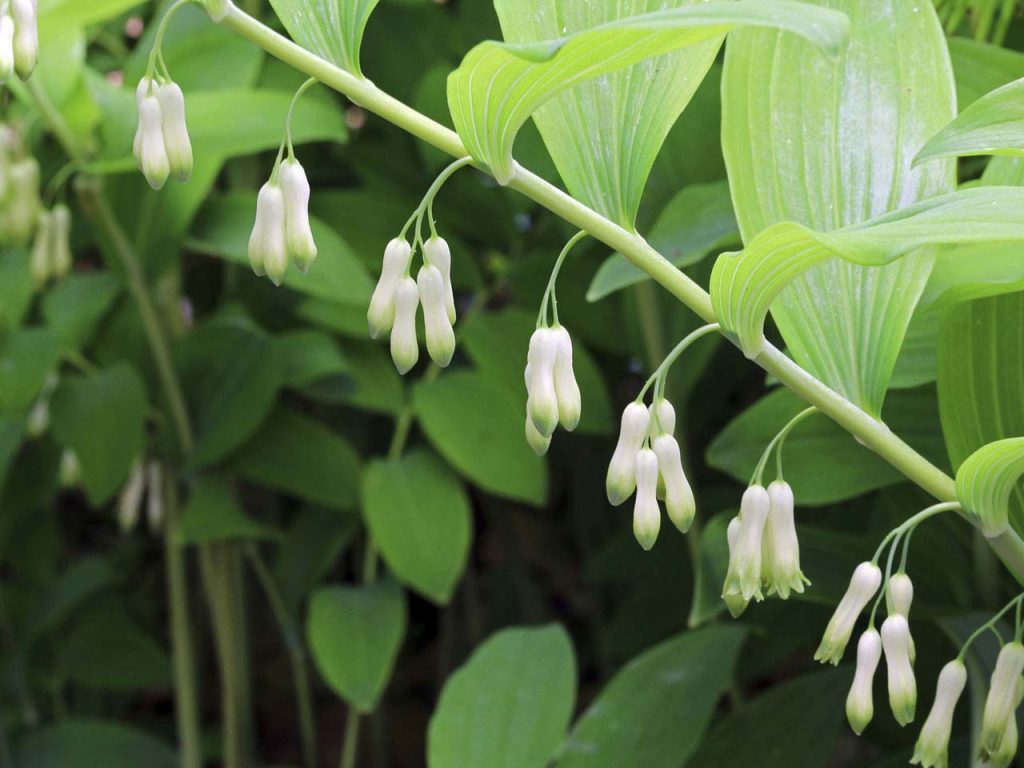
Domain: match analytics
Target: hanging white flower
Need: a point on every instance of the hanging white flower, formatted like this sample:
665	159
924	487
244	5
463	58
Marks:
744	574
867	577
736	603
26	37
679	502
899	595
646	514
405	349
438	329
538	442
621	479
541	397
860	704
437	252
6	48
1003	757
268	252
176	140
663	418
39	258
1002	696
61	254
932	747
570	403
298	233
152	150
781	547
902	685
381	314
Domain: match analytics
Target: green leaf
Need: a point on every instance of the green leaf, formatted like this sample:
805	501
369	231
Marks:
66	594
710	570
355	634
421	522
87	743
804	143
308	551
214	514
16	289
75	306
793	725
478	429
993	125
509	705
101	418
746	285
985	481
302	457
982	67
499	86
697	221
27	356
668	695
308	357
92	12
332	29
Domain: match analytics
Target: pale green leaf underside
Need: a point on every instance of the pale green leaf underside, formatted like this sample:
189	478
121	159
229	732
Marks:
332	29
499	86
986	479
745	285
829	144
993	125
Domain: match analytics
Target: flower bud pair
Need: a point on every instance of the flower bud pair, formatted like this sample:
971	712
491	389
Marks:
19	39
281	231
1002	700
21	215
51	250
552	394
743	577
867	577
673	487
162	147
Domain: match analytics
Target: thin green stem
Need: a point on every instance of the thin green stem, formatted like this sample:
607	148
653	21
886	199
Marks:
291	109
990	624
662	370
158	40
549	293
776	444
914	521
871	432
884	592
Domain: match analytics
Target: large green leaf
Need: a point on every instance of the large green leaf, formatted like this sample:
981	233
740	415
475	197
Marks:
982	67
332	29
828	144
499	86
788	255
75	306
986	480
993	125
88	743
420	519
509	705
27	357
668	695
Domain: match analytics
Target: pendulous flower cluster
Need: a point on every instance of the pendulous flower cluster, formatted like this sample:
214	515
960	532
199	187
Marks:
51	250
162	147
552	394
282	232
19	38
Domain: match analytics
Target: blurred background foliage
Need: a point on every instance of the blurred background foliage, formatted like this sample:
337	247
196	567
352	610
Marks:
367	536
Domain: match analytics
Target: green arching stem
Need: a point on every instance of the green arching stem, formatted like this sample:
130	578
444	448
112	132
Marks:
426	206
549	292
990	624
869	431
662	370
914	521
776	443
291	110
884	591
158	41
906	550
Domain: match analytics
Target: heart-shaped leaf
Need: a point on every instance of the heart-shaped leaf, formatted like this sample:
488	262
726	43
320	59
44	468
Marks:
993	125
500	85
985	481
332	29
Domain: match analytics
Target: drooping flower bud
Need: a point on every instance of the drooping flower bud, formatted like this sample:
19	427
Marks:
26	37
860	703
932	747
439	333
535	439
781	550
129	503
899	595
744	574
268	253
6	48
381	314
1002	696
646	514
295	187
23	203
865	582
177	144
70	472
1003	757
663	418
542	399
61	253
437	252
735	603
902	685
621	479
405	349
152	155
570	404
146	87
155	497
39	260
679	501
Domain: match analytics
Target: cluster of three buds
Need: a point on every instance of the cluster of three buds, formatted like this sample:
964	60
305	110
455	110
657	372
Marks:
162	146
552	394
282	231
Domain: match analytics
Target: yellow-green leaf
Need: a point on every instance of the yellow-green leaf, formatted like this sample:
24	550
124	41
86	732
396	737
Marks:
985	481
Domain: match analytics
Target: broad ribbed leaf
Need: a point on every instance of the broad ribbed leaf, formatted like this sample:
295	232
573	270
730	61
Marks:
500	85
828	144
744	286
332	29
993	125
985	481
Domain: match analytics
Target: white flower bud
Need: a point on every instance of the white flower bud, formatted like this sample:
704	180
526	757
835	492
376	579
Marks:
932	747
621	479
679	502
405	348
42	247
146	87
570	404
6	48
295	186
902	685
152	149
1002	696
663	418
744	574
437	252
535	439
268	253
23	203
129	503
899	595
26	37
38	419
439	333
867	577
735	603
155	498
646	514
70	472
381	314
860	703
61	240
542	399
177	144
781	547
1003	757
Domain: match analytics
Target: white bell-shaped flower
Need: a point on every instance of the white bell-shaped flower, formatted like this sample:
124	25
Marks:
152	154
781	547
646	513
736	604
1002	696
437	252
902	685
40	262
663	418
932	747
381	314
570	404
538	442
26	36
268	252
6	48
899	595
405	348
1004	756
439	333
679	501
744	574
146	87
176	140
299	234
860	702
621	479
867	577
61	254
541	397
